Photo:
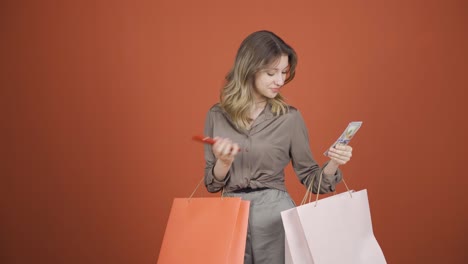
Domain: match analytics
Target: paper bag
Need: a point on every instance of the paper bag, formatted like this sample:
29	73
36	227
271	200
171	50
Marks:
335	230
205	231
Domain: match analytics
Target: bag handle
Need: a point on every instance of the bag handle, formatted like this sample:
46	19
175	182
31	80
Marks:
198	185
309	190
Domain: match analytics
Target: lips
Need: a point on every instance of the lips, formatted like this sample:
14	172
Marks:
275	90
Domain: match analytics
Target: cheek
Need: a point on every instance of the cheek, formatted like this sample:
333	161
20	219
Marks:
258	83
262	82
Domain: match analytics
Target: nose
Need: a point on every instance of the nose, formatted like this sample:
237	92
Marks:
280	79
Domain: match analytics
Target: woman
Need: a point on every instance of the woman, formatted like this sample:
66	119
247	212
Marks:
257	134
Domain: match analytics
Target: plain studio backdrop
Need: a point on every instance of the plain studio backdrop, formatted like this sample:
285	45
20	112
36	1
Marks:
100	99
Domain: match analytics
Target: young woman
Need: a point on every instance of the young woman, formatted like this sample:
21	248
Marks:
257	134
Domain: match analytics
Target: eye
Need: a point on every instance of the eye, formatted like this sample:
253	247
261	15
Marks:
270	74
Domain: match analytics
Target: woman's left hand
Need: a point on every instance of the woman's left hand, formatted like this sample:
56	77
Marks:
340	153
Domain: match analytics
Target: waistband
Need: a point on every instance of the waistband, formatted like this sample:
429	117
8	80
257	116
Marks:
248	190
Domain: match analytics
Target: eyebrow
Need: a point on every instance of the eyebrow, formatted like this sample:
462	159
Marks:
278	69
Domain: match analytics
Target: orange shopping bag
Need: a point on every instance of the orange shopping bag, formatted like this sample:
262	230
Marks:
205	231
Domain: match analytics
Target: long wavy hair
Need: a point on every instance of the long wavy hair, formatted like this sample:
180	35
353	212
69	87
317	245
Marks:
256	52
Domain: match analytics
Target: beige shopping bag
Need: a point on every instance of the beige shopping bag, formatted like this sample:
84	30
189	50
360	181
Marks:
333	230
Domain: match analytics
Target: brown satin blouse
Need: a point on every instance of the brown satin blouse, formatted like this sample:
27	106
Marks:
266	149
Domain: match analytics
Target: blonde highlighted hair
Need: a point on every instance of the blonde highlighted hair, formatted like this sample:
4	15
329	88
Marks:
256	52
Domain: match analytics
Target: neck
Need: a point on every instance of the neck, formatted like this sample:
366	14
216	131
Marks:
260	103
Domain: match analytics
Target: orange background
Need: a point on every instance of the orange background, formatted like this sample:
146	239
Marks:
100	99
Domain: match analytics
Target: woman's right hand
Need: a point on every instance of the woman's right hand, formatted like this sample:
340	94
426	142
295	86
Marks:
225	150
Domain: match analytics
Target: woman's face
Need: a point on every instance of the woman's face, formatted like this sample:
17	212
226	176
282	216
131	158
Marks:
269	80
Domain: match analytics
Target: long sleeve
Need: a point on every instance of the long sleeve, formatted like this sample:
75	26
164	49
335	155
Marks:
211	183
306	168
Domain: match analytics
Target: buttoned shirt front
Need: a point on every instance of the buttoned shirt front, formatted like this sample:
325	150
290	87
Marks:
266	149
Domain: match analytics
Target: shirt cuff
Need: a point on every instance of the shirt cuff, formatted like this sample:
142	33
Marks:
329	181
213	184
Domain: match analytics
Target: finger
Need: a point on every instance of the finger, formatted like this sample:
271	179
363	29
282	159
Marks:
339	152
218	146
227	146
340	161
218	141
345	150
334	154
339	157
235	149
342	147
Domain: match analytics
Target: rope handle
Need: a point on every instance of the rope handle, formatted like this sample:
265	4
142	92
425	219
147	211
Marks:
198	185
308	193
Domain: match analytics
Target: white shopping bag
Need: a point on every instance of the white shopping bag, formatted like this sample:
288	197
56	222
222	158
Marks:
333	230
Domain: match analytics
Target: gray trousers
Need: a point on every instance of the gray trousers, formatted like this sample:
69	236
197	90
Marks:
265	235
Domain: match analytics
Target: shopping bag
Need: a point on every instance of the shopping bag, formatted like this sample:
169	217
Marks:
333	230
205	230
